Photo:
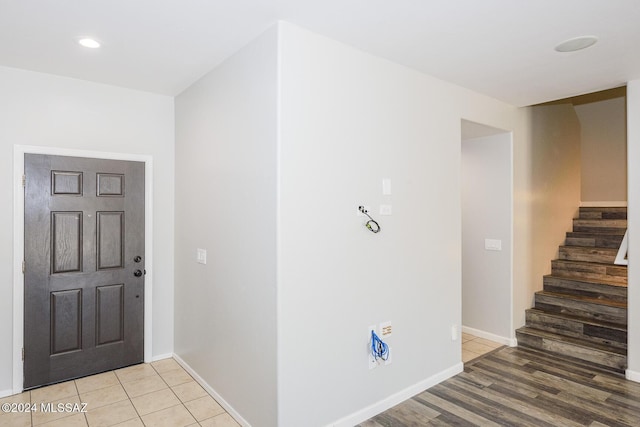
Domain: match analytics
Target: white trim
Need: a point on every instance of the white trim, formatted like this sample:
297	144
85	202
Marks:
279	312
5	393
161	357
511	342
614	204
230	410
621	256
18	244
512	339
632	375
389	402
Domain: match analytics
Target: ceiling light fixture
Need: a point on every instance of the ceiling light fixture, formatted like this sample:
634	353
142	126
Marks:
576	43
90	43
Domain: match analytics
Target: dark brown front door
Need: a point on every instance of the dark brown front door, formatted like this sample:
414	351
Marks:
84	267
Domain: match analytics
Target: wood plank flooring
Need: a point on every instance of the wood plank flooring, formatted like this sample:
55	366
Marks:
520	387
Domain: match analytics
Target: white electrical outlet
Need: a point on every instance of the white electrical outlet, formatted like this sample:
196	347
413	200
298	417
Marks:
373	363
454	332
386	209
385	329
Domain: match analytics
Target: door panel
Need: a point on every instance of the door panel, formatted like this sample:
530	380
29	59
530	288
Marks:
66	245
66	321
84	226
110	240
109	314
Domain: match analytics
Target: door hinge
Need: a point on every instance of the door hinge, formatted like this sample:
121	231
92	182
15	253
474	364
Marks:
24	180
24	266
22	353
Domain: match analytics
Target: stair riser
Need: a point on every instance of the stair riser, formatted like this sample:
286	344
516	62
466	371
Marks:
615	224
611	273
584	309
615	337
614	362
603	213
587	289
602	230
593	240
601	255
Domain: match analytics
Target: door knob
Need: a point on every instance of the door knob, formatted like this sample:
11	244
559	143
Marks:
137	273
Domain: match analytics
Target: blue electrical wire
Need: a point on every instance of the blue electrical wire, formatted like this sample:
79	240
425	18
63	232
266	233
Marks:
379	349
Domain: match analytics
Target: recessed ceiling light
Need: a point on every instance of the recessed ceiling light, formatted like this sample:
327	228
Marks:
90	43
576	43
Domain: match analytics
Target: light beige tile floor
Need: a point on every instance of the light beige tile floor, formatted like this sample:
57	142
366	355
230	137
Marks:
158	394
473	347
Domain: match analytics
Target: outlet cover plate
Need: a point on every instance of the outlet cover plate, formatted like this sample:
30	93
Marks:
385	330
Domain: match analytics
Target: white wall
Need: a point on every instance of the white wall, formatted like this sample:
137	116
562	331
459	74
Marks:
603	150
547	196
226	168
633	224
487	214
44	110
348	120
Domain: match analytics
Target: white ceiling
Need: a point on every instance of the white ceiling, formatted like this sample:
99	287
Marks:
502	48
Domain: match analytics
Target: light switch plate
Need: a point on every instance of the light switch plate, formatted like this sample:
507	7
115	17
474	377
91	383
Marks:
386	186
385	209
201	256
493	244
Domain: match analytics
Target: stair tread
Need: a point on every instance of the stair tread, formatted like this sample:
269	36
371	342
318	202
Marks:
589	248
586	321
602	282
573	341
582	298
590	234
614	222
598	264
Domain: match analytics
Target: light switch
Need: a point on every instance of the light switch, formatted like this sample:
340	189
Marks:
493	244
201	256
386	186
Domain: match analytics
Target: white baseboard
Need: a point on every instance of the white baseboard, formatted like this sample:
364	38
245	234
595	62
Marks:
394	399
161	356
614	204
227	407
511	342
632	375
5	393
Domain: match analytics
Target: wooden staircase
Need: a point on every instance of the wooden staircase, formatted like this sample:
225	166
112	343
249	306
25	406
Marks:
581	313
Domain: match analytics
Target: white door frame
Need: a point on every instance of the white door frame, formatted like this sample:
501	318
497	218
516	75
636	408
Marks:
18	244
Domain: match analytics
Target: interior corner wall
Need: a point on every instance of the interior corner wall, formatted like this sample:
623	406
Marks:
348	120
486	214
547	193
603	150
44	110
633	227
226	167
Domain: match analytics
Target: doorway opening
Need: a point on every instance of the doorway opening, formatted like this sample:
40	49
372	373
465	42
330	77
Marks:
487	237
